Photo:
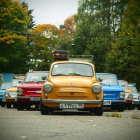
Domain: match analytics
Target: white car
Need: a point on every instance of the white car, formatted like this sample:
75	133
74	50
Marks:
136	96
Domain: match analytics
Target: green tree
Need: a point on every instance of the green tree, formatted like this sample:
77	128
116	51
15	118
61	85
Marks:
13	52
124	59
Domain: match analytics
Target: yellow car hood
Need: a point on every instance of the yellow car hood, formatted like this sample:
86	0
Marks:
71	81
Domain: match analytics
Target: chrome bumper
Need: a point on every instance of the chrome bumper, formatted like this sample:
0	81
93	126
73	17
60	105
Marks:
118	101
72	101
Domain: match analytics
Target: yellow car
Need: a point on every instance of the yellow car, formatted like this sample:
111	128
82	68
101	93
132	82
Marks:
71	84
11	93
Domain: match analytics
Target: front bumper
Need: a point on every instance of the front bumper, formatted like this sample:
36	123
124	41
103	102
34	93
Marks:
72	101
28	98
11	99
110	102
136	102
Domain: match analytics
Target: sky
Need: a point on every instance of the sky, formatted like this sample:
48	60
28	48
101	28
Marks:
53	12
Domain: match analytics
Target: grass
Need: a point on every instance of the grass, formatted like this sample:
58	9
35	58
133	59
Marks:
114	115
136	117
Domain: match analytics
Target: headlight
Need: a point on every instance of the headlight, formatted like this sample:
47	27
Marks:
122	95
19	91
47	88
7	94
96	88
139	98
130	96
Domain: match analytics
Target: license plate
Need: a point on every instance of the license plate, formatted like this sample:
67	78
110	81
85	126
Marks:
34	98
3	100
107	102
71	105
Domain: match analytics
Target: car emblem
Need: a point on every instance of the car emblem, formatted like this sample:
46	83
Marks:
72	83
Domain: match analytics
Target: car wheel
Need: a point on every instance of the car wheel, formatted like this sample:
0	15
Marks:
20	106
121	107
126	105
138	107
15	105
2	104
99	110
43	109
130	106
8	105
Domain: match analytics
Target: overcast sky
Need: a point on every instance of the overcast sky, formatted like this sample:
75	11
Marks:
52	11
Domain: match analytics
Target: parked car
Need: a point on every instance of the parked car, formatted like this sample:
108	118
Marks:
29	91
11	93
114	94
71	84
4	86
128	94
136	96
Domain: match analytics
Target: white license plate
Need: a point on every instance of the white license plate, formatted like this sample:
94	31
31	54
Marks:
3	100
34	98
107	102
80	105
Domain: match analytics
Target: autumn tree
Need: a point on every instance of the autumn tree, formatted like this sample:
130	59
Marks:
13	51
124	59
66	34
43	43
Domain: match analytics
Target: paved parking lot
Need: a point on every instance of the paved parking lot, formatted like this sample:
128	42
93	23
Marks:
68	125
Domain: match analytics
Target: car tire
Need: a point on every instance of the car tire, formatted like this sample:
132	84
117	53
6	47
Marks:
20	106
43	109
99	110
130	106
138	107
15	105
121	107
8	105
2	104
126	105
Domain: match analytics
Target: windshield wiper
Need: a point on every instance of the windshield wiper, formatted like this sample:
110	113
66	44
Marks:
75	74
59	74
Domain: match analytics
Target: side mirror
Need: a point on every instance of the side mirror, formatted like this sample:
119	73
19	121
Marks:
123	86
20	82
100	79
44	78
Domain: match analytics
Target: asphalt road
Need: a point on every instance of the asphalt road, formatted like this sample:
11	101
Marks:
68	125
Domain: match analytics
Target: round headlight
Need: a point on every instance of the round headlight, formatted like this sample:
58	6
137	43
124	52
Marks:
139	98
130	96
96	88
7	94
47	88
19	91
122	95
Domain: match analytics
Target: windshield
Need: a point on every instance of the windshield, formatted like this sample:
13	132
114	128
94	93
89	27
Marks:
134	89
123	84
16	83
33	77
108	79
78	69
5	85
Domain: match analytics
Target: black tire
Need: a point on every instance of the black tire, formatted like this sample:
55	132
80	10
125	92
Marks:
126	106
20	106
114	107
99	110
15	105
36	106
130	106
2	104
121	107
133	107
8	105
138	107
43	109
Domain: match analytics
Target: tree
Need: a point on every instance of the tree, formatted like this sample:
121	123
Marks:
124	58
43	39
13	52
